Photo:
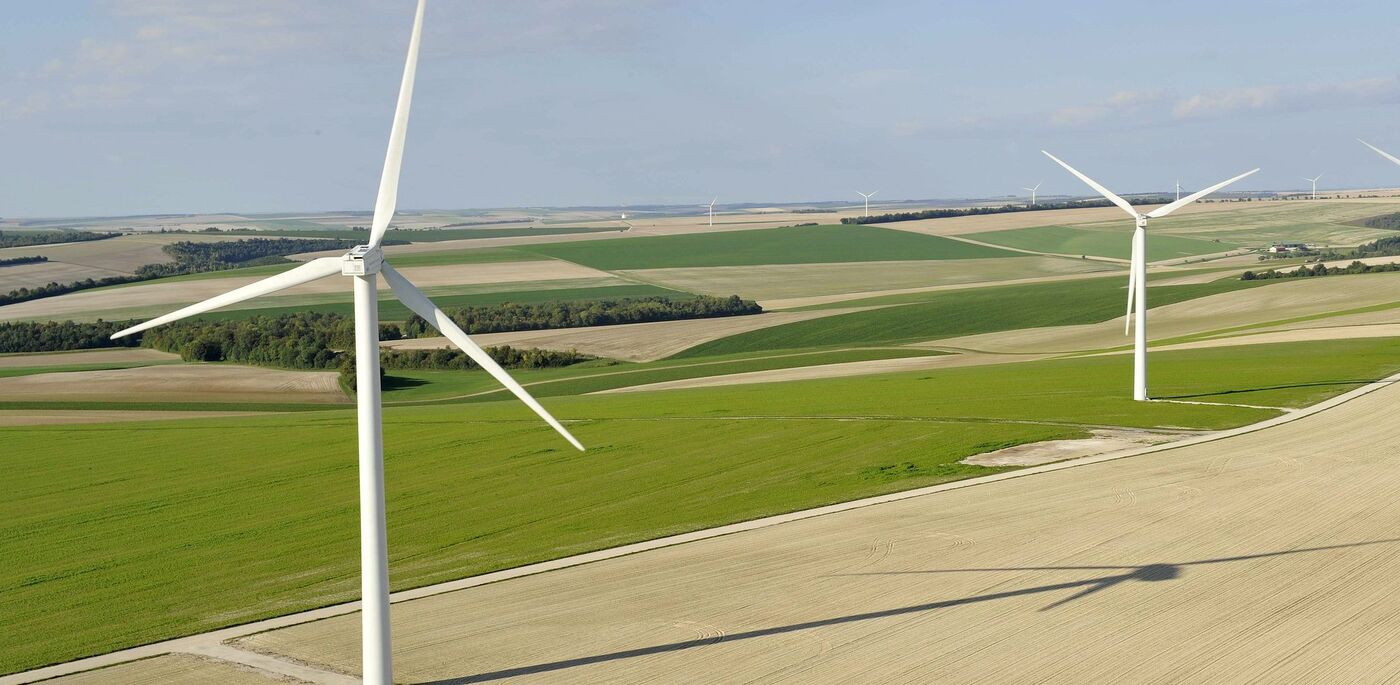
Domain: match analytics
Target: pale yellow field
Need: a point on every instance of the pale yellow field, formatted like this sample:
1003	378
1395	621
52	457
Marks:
777	284
178	383
1265	557
121	254
117	303
174	668
35	275
630	342
107	356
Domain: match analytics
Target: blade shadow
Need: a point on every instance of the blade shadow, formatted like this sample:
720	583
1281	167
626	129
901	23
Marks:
1147	572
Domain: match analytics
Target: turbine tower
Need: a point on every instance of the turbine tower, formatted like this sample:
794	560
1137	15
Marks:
867	197
1314	182
1178	190
1137	272
1037	187
712	211
363	264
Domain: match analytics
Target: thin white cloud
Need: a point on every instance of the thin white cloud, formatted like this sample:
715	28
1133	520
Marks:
1289	98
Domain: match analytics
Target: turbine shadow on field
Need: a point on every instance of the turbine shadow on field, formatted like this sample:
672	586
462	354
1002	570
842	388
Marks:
1314	384
1147	572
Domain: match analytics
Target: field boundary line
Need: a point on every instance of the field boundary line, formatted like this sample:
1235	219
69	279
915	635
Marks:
202	641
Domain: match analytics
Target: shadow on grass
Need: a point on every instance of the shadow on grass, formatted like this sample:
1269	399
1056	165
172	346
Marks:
1314	384
1150	573
389	383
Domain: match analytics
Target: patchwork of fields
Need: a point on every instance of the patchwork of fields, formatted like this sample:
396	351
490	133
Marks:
899	351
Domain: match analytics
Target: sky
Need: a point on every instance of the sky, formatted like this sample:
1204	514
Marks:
113	107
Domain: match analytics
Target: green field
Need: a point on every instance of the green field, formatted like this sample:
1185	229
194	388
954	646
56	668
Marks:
1101	243
921	317
793	245
124	534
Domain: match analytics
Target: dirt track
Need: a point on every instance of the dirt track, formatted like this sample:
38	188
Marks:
178	383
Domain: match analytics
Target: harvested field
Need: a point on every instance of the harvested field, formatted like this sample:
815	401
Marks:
1265	557
117	303
1340	263
45	417
962	225
187	669
43	273
119	355
178	383
630	342
120	255
789	282
1380	330
1104	441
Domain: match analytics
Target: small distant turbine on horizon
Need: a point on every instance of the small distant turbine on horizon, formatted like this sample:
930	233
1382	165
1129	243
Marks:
1137	271
867	197
1178	190
1314	185
712	210
1037	187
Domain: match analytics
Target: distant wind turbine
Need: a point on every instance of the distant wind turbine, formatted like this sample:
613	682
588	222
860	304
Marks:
1314	182
712	210
1178	190
867	197
1137	271
1037	187
363	264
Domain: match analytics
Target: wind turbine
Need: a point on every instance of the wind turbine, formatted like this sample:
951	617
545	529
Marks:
1314	182
712	211
1037	187
1178	190
363	264
1137	272
867	197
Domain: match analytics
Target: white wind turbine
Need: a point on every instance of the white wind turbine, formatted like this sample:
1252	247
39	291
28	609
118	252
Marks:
867	197
1037	187
1314	182
712	210
363	263
1137	271
1178	190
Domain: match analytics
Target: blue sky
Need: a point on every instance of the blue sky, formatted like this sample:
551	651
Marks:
147	106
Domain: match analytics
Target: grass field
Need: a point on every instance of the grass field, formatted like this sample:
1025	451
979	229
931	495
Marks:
129	522
438	235
1101	243
929	316
793	245
1259	224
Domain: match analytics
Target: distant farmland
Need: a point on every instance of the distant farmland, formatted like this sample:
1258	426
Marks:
792	245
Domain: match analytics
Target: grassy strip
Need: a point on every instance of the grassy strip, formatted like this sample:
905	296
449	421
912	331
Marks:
126	535
1100	243
174	406
920	317
793	245
13	372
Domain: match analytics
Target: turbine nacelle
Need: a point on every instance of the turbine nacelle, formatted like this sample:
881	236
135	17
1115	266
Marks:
362	260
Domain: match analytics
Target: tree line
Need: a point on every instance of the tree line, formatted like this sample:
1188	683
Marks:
52	336
31	238
1321	269
1004	209
1386	221
16	261
578	314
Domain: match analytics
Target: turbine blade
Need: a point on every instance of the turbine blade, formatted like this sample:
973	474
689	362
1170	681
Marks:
1169	208
414	298
1379	151
310	271
1094	184
388	198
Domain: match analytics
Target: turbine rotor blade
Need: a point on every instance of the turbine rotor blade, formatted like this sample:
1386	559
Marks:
310	271
414	298
1169	208
387	201
1379	151
1095	185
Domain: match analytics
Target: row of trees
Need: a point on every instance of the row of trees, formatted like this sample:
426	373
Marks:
1320	269
1386	221
51	336
30	238
542	315
16	261
1004	209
